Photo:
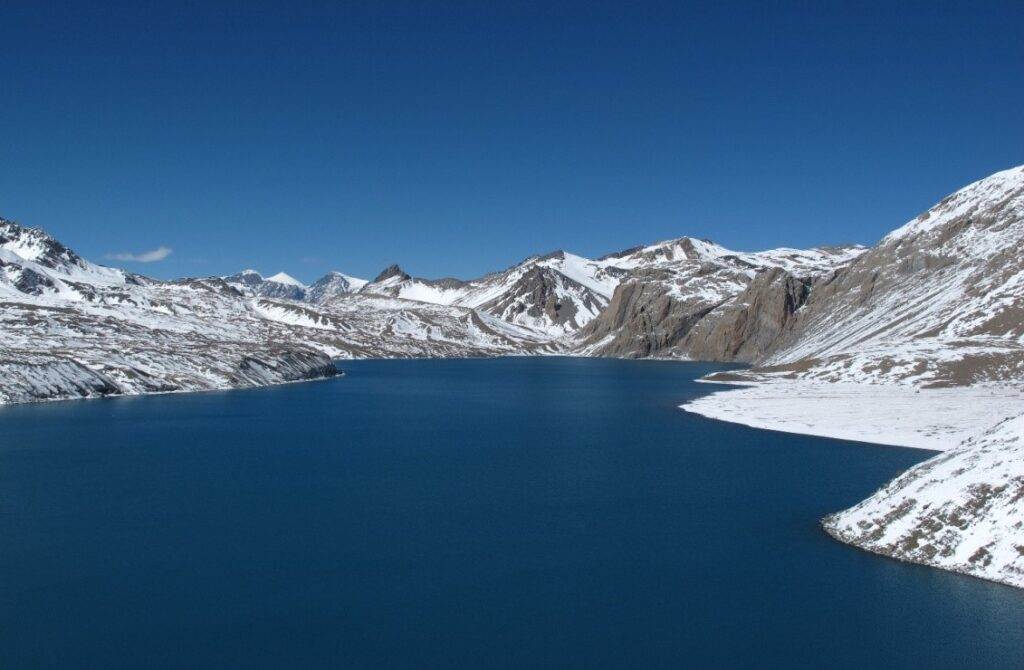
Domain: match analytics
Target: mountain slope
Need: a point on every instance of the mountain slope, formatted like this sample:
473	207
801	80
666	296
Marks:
961	510
882	350
74	329
939	301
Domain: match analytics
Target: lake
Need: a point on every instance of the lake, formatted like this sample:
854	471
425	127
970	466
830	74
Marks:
520	512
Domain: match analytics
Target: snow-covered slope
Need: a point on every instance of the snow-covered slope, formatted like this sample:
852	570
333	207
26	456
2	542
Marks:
33	262
554	294
940	301
69	328
374	326
962	510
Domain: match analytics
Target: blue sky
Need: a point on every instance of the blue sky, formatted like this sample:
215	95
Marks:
457	139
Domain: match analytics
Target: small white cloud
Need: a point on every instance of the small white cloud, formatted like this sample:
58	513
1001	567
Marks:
153	256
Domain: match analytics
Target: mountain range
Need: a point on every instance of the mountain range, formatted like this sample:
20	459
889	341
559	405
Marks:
939	302
936	302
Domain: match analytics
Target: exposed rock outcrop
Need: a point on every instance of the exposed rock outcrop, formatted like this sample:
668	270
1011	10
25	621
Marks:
747	328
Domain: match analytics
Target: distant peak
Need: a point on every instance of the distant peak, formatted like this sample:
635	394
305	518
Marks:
335	277
392	271
283	278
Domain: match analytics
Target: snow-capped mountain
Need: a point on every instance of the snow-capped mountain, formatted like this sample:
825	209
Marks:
332	285
671	292
33	262
937	301
280	285
940	301
71	328
562	294
286	287
555	294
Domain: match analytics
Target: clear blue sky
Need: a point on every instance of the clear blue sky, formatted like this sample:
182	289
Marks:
313	136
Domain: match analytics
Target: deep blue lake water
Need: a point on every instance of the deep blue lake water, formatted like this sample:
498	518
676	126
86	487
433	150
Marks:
461	513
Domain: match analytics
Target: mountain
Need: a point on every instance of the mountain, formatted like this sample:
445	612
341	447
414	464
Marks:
286	287
554	294
75	329
935	302
33	262
938	302
656	293
672	295
332	285
280	285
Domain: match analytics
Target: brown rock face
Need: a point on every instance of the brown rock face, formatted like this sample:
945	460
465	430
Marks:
746	329
643	319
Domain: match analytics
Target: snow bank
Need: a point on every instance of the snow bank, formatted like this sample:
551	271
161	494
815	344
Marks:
902	416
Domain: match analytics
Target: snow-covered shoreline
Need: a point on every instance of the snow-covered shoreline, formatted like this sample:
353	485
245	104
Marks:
894	415
958	511
141	394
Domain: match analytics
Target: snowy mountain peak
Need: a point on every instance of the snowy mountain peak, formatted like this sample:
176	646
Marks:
284	278
48	265
1003	187
390	272
32	244
331	285
281	285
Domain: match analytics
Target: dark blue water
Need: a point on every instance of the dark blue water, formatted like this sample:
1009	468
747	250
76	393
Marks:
517	512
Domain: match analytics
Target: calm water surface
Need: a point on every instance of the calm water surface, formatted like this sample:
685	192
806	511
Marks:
515	512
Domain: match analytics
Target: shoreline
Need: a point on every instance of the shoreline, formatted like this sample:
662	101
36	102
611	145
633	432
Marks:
889	415
143	394
955	511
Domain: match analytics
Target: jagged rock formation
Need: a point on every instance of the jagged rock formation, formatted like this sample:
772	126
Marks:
753	324
693	299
